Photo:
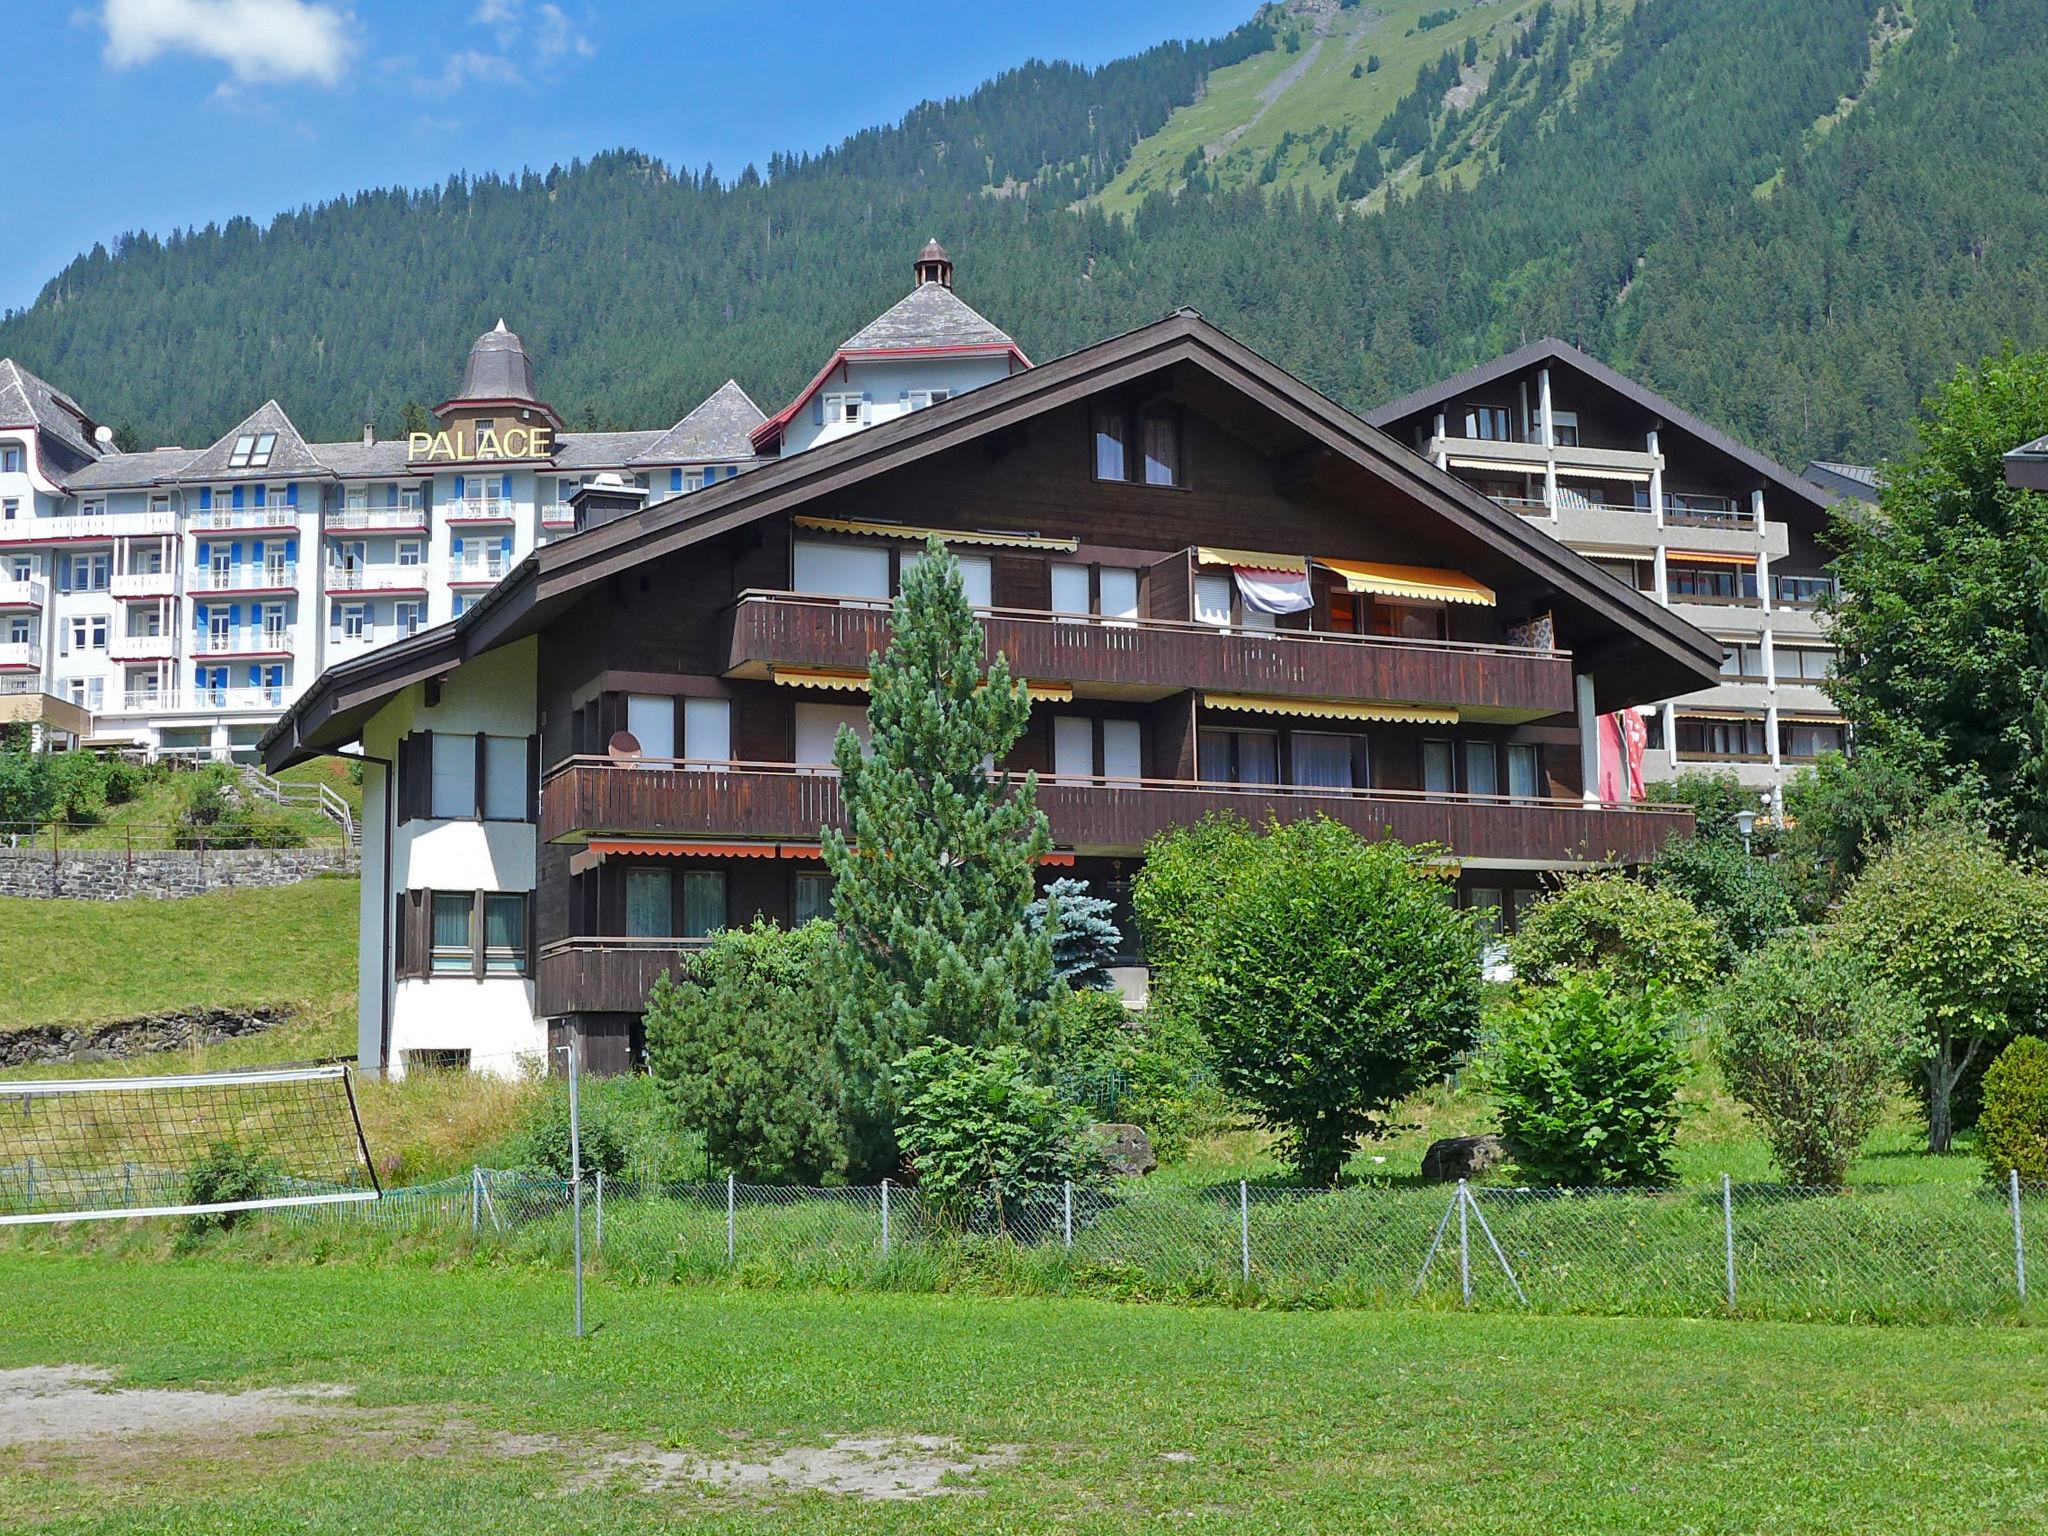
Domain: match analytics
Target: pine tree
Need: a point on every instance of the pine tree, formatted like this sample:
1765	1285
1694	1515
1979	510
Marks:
1085	938
933	874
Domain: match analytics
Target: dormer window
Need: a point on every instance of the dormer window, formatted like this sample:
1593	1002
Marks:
252	450
843	410
1143	448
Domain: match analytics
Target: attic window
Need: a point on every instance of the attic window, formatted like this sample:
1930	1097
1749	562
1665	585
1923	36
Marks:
252	450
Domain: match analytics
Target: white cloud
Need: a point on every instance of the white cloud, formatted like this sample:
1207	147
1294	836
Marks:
258	40
491	68
553	36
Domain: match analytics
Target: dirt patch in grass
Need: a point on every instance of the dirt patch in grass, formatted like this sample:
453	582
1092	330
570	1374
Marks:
858	1466
60	1404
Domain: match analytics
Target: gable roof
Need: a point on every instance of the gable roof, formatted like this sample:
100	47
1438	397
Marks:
2026	467
929	318
716	428
29	401
1854	480
1673	656
288	455
1552	350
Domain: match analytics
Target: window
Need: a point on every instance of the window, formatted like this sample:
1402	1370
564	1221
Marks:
811	898
88	634
1110	434
1324	760
1238	757
96	507
1160	433
410	618
10	509
1109	590
1743	659
1144	449
1411	621
505	787
1695	582
1123	752
1212	600
1804	664
1482	768
1564	428
1525	771
1439	768
649	904
461	605
454	771
504	933
707	730
273	625
252	450
1119	591
22	567
19	630
1805	739
651	721
1801	591
1484	903
1703	736
221	563
1490	423
817	728
98	572
1073	746
840	570
438	1059
843	410
357	498
410	553
453	951
1070	588
703	903
977	576
220	634
10	461
355	621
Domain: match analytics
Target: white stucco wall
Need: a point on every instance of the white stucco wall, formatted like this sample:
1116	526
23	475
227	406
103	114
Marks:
885	382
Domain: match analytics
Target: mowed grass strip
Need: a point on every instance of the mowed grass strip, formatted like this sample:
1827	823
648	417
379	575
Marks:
1129	1418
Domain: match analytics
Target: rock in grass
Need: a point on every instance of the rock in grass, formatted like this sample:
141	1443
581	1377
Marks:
1126	1150
1461	1157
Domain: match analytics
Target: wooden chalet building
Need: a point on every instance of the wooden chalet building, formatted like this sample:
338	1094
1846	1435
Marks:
1226	593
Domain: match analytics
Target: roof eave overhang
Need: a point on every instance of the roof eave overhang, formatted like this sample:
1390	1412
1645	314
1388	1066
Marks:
509	401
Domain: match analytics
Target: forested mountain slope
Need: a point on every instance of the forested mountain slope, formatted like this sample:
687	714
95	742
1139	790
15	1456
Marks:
1791	218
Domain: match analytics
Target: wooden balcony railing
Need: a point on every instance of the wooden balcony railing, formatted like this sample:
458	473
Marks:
584	797
604	975
1155	657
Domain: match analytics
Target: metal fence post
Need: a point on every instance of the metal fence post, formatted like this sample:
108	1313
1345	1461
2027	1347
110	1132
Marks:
576	1181
1464	1243
476	1199
597	1234
1067	1214
1244	1231
885	1218
2019	1238
731	1189
1728	1235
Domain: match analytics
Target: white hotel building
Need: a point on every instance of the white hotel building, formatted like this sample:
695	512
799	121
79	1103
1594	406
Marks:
185	596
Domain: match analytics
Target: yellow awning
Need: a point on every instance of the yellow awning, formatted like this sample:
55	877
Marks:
1253	560
1709	557
1811	720
1421	581
1602	472
857	682
803	677
944	535
1332	709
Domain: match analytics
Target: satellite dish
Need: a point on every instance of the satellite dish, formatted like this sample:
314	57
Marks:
104	436
624	747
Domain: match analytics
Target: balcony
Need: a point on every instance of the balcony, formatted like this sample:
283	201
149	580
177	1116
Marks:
132	585
558	516
368	635
476	573
140	647
279	516
170	701
20	656
480	509
402	519
605	975
272	576
88	528
244	642
1151	658
23	592
765	801
377	578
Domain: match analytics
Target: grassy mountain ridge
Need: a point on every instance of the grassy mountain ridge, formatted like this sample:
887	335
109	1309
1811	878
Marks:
1791	219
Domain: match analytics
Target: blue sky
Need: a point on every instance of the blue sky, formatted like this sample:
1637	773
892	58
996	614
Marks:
154	114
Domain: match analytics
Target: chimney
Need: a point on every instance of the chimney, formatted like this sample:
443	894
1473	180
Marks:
934	265
369	433
605	499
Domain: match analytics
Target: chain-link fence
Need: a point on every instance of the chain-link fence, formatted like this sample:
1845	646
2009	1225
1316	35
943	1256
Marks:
1930	1252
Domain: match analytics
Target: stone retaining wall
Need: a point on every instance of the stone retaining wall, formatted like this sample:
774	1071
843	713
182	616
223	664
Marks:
112	874
123	1038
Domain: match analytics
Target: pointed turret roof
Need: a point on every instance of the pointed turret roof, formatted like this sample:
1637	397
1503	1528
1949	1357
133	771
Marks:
717	428
286	452
931	317
499	372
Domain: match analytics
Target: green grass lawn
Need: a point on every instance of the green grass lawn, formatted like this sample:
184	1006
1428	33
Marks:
1123	1418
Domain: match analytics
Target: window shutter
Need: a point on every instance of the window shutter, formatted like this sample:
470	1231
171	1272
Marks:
415	770
234	615
206	554
459	482
206	498
291	549
505	545
255	676
817	410
476	784
505	486
291	494
528	967
241	495
675	480
235	552
390	494
199	618
262	495
867	407
456	546
903	400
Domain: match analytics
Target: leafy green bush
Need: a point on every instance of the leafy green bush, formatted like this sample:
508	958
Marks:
78	786
124	780
1634	934
1811	1038
742	1047
214	812
982	1138
2012	1127
1748	898
1715	799
544	1145
225	1173
1333	976
1841	812
1149	1069
1586	1084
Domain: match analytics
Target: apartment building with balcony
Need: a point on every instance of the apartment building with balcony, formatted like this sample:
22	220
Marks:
1224	591
1671	507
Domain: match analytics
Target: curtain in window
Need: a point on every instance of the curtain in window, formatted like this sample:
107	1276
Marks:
1322	761
452	945
1110	446
648	910
504	935
1162	450
703	903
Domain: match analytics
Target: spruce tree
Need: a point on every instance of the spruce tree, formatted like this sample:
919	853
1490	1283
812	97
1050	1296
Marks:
1085	937
933	873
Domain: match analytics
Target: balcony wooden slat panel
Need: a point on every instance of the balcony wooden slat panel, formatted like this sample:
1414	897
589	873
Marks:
758	802
590	976
794	632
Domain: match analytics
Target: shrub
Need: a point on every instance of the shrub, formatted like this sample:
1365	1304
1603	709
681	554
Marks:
1947	917
227	1172
742	1047
78	786
1811	1039
1586	1084
543	1147
980	1136
1088	938
1636	935
124	780
1748	898
1150	1069
2012	1128
1714	797
1334	977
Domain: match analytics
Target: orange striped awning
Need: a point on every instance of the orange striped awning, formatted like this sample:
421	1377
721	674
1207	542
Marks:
1709	557
614	847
